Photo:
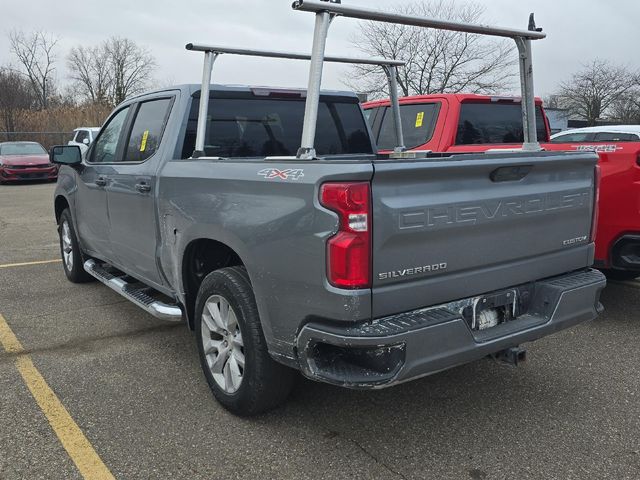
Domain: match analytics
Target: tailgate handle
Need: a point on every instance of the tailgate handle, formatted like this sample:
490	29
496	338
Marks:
513	173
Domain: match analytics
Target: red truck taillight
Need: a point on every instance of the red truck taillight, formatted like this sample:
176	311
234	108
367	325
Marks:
596	202
349	250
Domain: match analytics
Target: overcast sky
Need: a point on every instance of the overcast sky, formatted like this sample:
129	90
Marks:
578	31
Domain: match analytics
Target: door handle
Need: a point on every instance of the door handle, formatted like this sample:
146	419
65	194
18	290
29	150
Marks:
101	182
143	187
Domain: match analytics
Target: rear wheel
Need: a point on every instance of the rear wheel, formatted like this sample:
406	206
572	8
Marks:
70	250
233	352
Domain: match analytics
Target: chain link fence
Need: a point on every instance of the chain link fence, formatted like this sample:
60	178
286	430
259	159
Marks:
46	139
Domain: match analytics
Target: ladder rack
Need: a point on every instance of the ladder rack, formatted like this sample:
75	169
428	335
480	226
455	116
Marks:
325	12
211	53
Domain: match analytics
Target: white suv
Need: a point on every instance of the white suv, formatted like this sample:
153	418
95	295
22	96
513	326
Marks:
83	136
610	133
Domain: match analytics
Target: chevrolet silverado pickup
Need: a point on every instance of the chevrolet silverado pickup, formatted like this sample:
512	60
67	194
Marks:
321	255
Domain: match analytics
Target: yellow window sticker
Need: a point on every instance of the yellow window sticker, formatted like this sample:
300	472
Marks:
143	142
419	119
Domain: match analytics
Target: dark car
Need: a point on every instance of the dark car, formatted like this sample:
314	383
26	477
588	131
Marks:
25	161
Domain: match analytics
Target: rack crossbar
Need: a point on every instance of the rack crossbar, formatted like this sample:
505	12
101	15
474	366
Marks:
362	13
219	49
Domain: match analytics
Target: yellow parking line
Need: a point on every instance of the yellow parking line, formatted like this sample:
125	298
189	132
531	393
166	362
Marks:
24	264
73	440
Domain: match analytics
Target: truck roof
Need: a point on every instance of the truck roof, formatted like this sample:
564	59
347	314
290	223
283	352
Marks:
191	88
457	97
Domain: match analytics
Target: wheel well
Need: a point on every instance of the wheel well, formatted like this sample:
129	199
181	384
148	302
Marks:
202	257
60	205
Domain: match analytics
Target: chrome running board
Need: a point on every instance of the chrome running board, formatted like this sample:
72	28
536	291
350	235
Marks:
134	293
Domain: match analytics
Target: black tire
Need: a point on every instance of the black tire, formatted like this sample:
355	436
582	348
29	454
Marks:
621	275
265	383
74	271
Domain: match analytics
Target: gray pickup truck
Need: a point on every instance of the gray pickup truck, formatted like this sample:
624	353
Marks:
358	269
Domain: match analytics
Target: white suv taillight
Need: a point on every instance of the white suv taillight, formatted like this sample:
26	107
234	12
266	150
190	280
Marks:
349	250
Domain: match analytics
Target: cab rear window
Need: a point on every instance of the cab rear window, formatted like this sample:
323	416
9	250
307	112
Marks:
494	123
262	127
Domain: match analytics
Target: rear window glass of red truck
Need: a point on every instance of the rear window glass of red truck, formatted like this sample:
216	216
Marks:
263	127
494	123
418	124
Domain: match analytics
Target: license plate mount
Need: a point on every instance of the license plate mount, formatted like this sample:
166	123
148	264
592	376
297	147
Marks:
493	309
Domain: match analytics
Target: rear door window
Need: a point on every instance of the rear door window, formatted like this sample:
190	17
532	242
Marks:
418	124
495	123
147	130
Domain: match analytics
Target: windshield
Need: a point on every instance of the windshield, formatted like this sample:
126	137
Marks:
22	149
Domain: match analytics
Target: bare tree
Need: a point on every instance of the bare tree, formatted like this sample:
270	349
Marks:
15	97
131	66
436	60
90	71
591	92
551	101
111	71
36	53
626	108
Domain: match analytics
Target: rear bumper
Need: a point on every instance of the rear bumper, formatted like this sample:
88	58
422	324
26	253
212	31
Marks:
403	347
8	174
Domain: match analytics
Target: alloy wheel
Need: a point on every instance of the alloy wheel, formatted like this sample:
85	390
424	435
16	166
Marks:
222	343
67	246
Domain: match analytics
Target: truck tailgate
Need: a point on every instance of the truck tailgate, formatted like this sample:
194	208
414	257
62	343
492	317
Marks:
454	227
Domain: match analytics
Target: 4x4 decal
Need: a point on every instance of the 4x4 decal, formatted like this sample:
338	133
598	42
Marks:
289	173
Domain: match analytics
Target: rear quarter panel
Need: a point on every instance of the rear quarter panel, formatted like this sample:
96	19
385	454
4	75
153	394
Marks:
275	225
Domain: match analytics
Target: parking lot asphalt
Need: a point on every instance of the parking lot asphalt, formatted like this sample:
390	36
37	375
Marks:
134	388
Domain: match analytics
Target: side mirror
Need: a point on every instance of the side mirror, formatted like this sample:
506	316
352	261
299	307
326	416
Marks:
85	141
65	155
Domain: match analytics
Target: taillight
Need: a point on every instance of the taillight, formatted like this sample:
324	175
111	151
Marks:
596	202
349	250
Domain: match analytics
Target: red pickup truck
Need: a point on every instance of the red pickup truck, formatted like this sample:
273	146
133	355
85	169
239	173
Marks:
455	123
618	234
